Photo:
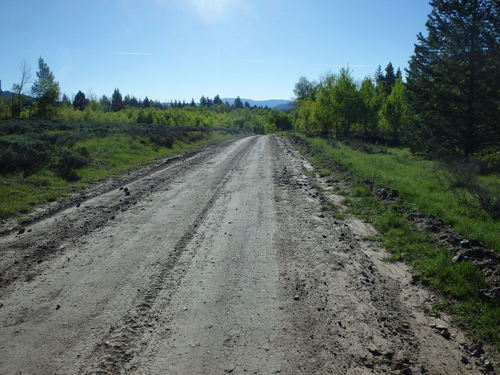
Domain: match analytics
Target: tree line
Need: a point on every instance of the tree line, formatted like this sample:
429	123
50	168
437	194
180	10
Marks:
447	104
337	105
46	103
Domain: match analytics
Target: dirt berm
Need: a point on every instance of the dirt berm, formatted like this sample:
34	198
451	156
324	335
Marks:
222	262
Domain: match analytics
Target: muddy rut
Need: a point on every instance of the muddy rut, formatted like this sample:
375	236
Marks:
221	262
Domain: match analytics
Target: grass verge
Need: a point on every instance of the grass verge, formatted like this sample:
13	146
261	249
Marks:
110	155
459	282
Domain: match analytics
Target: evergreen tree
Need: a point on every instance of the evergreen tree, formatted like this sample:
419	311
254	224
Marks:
193	104
146	103
105	104
203	101
80	102
117	101
379	76
134	103
389	78
45	79
46	90
217	100
127	101
238	104
454	77
399	75
65	100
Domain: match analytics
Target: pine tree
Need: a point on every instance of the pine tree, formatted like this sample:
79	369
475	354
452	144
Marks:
238	103
105	103
389	78
45	79
217	100
65	100
454	77
80	101
399	75
117	101
146	103
379	76
46	90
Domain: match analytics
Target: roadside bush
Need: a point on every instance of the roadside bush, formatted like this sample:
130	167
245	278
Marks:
23	152
463	174
71	159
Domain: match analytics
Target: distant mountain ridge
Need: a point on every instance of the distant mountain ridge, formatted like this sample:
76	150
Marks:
271	103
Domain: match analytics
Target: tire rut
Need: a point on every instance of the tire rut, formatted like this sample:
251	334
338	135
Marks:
120	345
42	241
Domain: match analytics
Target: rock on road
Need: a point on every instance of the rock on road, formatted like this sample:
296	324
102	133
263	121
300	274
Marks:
220	262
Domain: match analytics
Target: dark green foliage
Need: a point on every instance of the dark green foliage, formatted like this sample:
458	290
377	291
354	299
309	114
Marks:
389	78
462	176
454	78
488	160
105	104
80	102
70	159
238	104
218	100
27	152
65	100
282	121
47	103
379	76
117	101
304	89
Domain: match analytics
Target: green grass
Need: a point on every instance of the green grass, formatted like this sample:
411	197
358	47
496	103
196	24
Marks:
419	182
110	155
460	281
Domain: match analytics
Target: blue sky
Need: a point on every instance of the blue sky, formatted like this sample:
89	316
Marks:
179	49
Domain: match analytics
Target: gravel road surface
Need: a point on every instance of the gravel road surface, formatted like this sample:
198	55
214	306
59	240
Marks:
222	262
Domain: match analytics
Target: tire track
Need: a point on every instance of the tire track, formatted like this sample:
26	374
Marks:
120	345
23	255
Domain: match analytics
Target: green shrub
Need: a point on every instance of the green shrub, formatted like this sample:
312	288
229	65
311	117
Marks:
488	161
23	153
69	160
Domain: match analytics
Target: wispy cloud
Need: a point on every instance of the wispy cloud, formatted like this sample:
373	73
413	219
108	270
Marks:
132	53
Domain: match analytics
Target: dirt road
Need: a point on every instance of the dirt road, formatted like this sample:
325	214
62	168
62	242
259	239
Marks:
219	263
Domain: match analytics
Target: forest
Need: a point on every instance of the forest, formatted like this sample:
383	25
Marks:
446	105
